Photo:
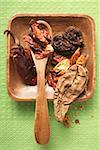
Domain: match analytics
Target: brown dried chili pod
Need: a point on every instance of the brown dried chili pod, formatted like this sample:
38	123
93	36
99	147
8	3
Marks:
74	36
63	47
24	65
41	32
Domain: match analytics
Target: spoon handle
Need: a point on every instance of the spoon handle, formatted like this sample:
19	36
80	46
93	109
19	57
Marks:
41	125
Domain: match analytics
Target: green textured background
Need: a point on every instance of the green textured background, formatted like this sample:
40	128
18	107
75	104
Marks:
16	118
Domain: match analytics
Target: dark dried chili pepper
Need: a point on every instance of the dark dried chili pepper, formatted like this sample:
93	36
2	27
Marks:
63	47
66	44
73	35
24	65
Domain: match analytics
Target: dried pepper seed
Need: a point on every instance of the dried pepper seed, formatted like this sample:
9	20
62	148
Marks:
77	121
81	107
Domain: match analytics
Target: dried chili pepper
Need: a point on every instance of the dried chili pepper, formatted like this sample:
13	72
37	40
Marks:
68	42
51	81
39	38
56	58
24	65
62	46
75	56
73	35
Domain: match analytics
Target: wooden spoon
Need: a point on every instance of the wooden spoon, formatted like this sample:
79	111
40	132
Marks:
41	125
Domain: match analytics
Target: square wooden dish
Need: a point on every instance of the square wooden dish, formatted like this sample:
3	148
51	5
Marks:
19	24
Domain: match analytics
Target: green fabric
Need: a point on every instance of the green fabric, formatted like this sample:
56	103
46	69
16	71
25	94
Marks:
16	118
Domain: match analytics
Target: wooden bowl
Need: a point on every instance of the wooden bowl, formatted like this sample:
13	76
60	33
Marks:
19	24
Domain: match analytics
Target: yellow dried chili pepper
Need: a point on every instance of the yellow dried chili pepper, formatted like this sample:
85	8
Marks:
62	66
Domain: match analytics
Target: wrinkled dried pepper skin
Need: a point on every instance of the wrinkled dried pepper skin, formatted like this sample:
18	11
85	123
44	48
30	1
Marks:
39	39
25	66
22	61
68	88
67	43
74	36
63	47
51	81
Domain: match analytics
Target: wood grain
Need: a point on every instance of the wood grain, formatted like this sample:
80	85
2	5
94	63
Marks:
41	125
